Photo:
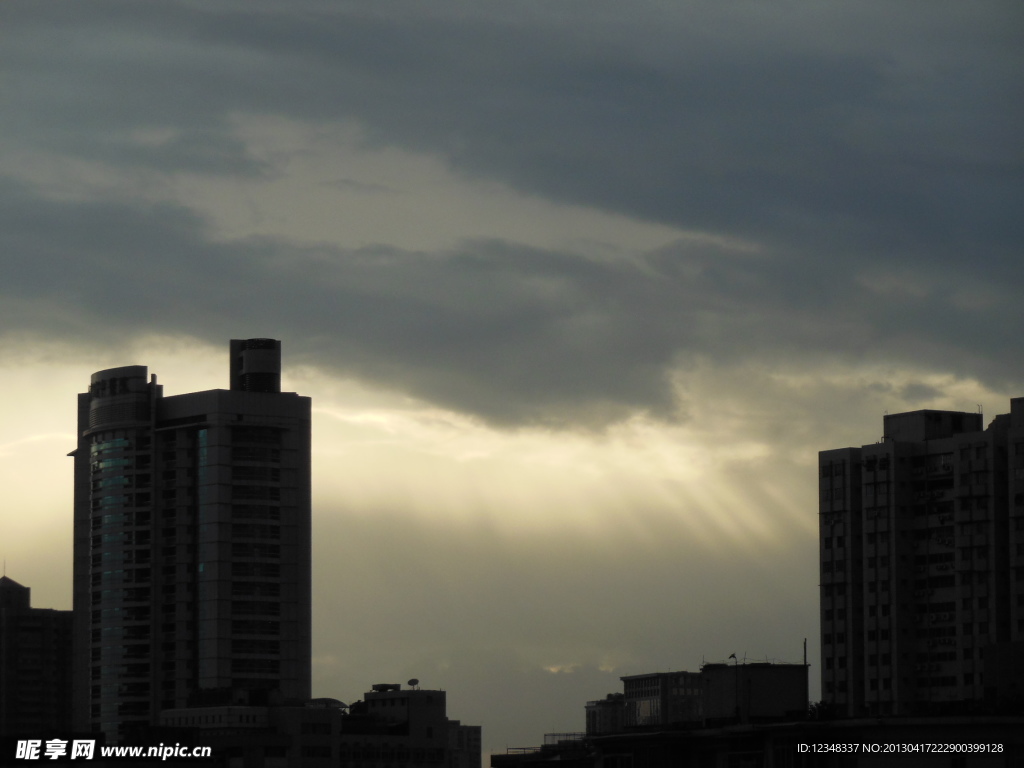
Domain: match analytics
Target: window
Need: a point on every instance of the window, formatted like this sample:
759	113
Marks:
255	627
256	666
264	647
256	589
255	608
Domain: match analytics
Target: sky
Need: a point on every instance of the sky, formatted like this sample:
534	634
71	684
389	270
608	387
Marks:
579	290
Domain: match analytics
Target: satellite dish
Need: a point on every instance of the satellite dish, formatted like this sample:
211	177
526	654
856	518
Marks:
413	683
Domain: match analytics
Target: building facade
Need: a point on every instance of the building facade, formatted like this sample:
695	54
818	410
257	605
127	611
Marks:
662	698
921	540
191	542
35	665
758	692
719	694
605	715
395	727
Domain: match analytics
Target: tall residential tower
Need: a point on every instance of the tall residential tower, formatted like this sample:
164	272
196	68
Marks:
922	566
191	542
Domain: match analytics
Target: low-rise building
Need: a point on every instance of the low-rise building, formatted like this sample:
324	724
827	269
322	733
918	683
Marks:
662	698
390	726
754	693
35	665
606	715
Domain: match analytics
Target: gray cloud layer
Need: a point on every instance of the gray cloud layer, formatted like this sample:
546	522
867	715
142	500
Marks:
848	142
511	333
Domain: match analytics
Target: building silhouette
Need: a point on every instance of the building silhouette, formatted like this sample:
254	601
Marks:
393	726
684	718
922	566
191	543
35	665
718	694
605	715
390	727
660	698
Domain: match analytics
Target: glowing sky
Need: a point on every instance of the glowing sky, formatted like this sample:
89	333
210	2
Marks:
578	289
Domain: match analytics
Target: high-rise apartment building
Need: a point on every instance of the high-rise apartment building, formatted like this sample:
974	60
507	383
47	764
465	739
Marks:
191	542
922	565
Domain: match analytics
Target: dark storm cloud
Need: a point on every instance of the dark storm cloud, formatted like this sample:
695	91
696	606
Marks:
855	144
510	333
881	133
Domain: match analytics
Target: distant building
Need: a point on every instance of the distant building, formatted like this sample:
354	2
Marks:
390	728
800	745
924	742
566	750
606	715
192	543
245	736
921	540
757	692
35	665
398	727
465	745
662	698
719	694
